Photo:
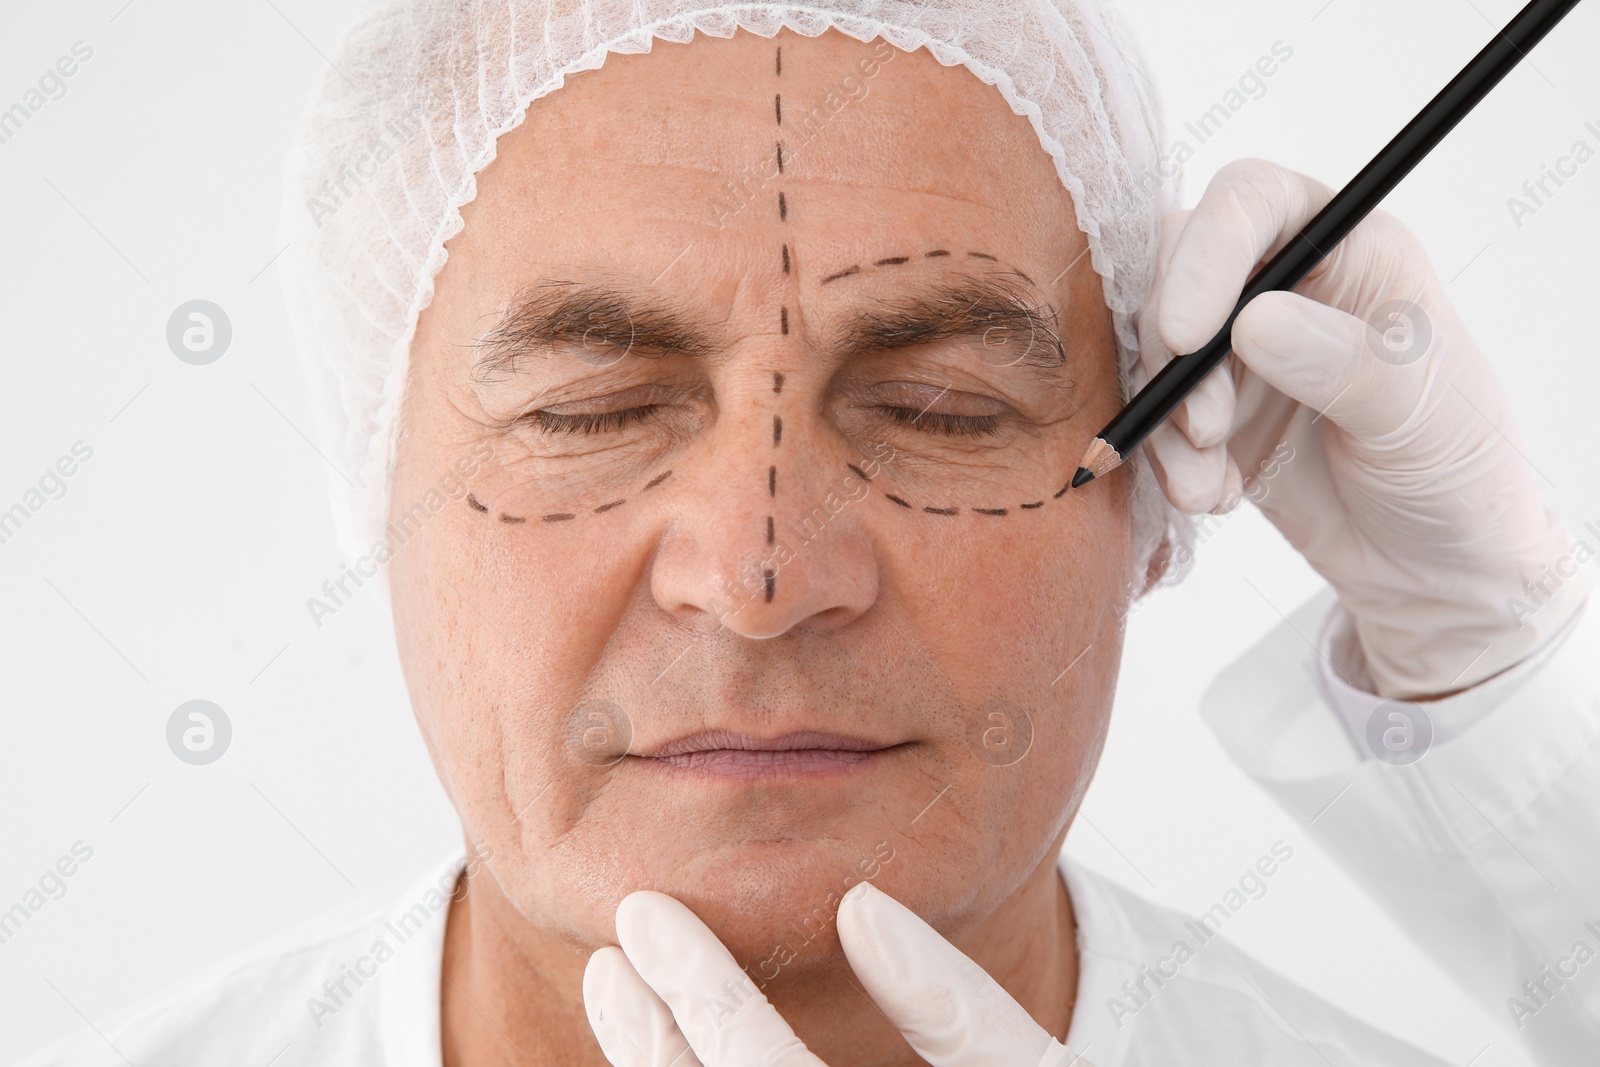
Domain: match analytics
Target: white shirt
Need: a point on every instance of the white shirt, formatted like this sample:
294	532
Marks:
1516	756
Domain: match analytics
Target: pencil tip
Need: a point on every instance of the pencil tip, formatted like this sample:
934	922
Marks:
1083	477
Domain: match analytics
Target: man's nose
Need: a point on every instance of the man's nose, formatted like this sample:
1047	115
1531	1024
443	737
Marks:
773	539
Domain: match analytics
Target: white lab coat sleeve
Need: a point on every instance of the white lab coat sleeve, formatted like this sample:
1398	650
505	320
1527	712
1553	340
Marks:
1486	849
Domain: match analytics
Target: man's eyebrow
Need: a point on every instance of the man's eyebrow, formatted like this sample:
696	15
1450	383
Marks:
995	309
556	313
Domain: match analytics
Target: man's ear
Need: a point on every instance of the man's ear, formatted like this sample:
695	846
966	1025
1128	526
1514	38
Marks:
1160	562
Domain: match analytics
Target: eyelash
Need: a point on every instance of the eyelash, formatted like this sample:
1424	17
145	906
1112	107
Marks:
595	422
934	422
943	423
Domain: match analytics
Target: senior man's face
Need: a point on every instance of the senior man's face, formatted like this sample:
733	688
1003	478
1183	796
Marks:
765	582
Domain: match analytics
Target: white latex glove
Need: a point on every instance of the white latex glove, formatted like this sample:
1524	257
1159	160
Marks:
673	995
1411	495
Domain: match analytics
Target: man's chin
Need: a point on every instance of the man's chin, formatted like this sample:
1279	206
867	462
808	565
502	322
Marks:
773	903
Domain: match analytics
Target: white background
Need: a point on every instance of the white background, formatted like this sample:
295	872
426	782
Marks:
179	561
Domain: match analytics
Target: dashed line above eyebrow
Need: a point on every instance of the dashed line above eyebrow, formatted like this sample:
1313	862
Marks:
895	261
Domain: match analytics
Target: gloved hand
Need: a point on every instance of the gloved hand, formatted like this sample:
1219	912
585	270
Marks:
1366	424
673	995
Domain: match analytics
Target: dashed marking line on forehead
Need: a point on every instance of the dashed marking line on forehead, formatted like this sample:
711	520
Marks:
772	481
777	379
472	502
511	518
783	207
786	258
780	157
603	508
560	516
657	480
777	430
897	261
858	472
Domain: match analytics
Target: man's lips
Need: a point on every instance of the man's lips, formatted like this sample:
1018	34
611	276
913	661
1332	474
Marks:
800	754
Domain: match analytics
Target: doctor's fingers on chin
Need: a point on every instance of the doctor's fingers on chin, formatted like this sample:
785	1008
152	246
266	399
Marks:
635	1027
949	1010
720	1012
1196	480
1250	208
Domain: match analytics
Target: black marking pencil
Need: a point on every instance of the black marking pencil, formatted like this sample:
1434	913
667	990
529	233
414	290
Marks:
1162	394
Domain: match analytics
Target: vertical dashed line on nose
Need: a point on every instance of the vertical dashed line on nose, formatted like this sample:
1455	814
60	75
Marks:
769	574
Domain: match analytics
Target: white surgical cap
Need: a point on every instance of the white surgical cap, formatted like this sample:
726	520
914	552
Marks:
421	91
